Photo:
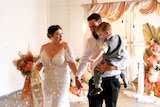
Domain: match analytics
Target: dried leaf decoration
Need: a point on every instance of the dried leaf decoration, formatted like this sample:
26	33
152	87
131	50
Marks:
147	33
151	34
151	58
158	35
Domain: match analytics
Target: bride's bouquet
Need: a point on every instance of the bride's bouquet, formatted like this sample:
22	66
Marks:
25	62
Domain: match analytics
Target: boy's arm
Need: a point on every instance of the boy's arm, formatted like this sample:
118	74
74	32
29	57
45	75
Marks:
102	50
97	56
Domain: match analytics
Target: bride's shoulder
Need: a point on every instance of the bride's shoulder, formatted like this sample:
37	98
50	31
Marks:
66	45
44	46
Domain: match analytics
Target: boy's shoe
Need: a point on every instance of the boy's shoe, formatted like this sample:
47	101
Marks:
125	83
96	91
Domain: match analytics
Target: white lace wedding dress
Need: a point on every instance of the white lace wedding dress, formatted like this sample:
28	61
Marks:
56	79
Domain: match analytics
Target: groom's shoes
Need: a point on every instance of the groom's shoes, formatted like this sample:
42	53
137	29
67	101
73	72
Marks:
96	91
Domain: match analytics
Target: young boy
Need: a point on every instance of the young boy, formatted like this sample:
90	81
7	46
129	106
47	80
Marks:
112	51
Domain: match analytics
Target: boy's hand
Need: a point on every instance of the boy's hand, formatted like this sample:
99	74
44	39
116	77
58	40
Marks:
91	60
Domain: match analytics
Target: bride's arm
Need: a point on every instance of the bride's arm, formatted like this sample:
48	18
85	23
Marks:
70	59
72	64
38	63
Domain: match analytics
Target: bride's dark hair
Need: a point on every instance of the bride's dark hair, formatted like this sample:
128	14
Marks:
52	29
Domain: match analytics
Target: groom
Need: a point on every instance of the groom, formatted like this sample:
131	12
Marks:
110	82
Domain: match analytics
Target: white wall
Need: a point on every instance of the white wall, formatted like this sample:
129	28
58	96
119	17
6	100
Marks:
23	24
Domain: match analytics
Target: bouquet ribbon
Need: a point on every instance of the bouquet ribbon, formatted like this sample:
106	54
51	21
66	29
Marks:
28	88
27	91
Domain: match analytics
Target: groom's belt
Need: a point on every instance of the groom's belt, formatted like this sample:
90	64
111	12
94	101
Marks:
112	77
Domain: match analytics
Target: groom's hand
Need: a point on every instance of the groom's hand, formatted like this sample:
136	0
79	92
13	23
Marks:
78	83
105	67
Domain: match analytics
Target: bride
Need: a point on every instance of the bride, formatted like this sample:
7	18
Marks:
54	57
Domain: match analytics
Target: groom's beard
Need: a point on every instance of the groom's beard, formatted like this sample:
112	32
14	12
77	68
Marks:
95	35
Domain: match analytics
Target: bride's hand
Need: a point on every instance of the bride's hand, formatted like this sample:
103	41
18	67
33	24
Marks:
39	66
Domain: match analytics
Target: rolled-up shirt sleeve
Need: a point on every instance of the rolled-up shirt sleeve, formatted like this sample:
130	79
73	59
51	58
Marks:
84	60
92	46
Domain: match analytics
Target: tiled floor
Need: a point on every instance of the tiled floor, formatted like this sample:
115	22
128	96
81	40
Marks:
12	100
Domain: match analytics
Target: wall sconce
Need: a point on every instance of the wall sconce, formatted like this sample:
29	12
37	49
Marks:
122	23
133	28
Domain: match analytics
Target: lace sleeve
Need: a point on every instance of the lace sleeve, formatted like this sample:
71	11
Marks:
69	57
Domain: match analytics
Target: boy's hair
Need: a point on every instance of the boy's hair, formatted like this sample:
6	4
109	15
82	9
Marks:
94	16
104	26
